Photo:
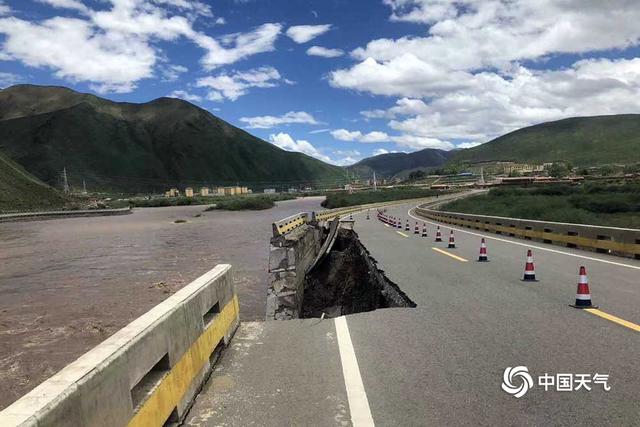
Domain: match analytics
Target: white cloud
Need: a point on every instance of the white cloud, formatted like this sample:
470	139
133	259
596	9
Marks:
171	72
464	80
468	144
380	151
67	4
407	140
319	131
113	48
235	47
304	33
9	79
286	142
181	94
266	122
4	9
232	86
324	52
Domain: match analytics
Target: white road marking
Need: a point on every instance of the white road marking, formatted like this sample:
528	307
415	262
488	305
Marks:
542	248
358	403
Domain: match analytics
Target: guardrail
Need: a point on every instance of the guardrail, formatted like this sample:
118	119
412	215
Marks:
147	373
63	214
294	221
613	240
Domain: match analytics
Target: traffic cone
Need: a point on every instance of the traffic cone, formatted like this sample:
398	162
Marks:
529	269
438	235
367	214
399	225
406	227
416	229
424	230
483	252
583	296
452	241
351	216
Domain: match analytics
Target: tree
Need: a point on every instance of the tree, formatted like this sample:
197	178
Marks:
557	170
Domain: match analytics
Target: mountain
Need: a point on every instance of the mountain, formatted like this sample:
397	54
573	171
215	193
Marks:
583	141
400	164
139	147
21	191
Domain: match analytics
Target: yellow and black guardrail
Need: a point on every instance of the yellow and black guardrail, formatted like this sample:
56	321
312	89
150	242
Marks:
613	240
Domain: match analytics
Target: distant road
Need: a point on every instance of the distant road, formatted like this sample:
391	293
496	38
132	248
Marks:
67	284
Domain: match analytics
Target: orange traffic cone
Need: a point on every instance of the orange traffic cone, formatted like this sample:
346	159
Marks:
529	269
438	235
452	241
483	252
583	296
424	230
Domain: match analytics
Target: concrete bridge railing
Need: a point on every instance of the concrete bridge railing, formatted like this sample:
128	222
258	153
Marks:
147	373
613	240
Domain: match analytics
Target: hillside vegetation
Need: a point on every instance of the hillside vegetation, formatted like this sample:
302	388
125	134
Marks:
582	141
139	147
400	164
21	191
342	199
595	204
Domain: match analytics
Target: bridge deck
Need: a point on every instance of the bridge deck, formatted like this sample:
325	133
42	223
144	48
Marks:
442	362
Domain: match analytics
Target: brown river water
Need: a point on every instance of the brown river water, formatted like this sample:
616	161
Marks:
68	284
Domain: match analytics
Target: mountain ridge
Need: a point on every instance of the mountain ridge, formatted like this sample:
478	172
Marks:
46	128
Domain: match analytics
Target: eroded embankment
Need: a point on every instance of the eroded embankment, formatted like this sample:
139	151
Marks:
348	281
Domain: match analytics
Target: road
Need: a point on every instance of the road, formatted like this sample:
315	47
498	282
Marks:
442	362
68	284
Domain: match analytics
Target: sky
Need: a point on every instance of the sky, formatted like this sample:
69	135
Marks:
340	80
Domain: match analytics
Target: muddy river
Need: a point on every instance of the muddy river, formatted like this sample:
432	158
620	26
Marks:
67	284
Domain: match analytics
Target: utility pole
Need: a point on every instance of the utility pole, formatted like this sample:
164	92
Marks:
375	184
65	181
84	187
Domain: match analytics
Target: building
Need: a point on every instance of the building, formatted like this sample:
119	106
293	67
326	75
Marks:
188	192
244	190
229	191
174	192
204	191
220	191
269	191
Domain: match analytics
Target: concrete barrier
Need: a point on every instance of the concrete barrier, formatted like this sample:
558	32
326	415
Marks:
147	373
25	216
613	240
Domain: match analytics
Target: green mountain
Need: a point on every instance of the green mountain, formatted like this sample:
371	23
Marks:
21	191
583	141
400	164
140	147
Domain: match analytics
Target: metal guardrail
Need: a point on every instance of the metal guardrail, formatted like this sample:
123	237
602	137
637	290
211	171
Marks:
613	240
57	214
292	222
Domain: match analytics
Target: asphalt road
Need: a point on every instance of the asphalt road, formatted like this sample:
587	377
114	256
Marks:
442	362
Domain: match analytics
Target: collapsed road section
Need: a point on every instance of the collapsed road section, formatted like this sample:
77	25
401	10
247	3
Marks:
322	270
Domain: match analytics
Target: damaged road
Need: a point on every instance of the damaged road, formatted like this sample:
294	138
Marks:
348	281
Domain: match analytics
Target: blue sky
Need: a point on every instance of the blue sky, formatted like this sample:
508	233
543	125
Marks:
336	79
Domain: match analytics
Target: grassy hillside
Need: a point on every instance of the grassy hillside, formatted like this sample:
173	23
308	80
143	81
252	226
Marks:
400	164
610	205
139	147
583	141
21	191
342	199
